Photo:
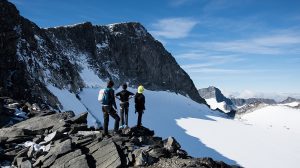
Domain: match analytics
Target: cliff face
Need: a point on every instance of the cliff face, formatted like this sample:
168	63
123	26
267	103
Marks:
32	58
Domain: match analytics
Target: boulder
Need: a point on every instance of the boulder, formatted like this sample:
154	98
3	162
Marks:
53	136
106	155
158	152
30	152
56	151
171	144
79	119
142	157
25	164
138	131
74	159
35	125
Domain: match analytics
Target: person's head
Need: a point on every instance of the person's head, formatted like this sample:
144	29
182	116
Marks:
110	84
124	86
140	89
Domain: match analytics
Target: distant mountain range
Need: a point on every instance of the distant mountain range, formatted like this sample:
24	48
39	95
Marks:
217	101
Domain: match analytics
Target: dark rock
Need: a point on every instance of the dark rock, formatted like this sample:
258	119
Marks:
25	164
74	159
30	152
171	144
78	127
53	136
38	139
20	156
54	153
19	160
78	162
158	152
1	151
241	102
63	129
182	153
106	154
79	119
138	131
35	125
201	163
142	157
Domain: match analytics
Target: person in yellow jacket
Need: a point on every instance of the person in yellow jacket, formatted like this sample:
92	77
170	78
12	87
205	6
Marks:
139	100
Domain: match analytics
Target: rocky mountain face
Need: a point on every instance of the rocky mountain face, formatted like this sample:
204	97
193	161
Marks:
241	102
32	58
213	92
289	100
235	105
51	139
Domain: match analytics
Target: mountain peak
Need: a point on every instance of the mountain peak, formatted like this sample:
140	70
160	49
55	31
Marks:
289	100
70	57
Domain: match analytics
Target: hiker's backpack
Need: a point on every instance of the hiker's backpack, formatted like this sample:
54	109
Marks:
103	96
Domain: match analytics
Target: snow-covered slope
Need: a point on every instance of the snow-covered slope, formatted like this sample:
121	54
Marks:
292	104
212	102
267	137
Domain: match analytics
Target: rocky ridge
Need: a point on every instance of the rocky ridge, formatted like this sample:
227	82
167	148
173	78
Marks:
50	139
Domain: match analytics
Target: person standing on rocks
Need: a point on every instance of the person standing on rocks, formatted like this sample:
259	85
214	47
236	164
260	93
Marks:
139	100
109	108
124	97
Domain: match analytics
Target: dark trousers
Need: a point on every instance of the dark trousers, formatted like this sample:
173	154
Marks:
108	110
139	121
124	111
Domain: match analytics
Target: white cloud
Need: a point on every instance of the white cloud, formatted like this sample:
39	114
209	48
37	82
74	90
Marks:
173	28
247	93
267	45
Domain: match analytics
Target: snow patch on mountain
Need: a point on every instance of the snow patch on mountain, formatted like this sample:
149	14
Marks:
292	104
212	102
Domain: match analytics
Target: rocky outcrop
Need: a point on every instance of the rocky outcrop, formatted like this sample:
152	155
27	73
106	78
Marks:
32	58
289	100
16	38
248	108
38	142
213	92
241	102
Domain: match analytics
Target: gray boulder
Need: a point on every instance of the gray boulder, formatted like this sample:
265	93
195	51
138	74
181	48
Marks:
54	153
171	144
53	136
74	159
106	154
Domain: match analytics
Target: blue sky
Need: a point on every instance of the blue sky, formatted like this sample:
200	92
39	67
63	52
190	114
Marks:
248	46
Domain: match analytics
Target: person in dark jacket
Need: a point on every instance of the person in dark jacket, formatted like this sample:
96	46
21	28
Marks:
108	108
124	96
139	100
